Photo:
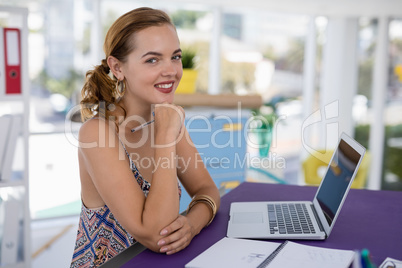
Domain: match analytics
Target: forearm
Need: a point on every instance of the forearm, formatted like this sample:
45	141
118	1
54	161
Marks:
162	204
179	233
200	214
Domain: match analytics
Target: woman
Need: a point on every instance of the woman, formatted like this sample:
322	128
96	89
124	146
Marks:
135	84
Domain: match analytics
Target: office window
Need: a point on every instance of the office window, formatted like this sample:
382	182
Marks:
232	25
266	58
366	48
392	173
362	110
55	83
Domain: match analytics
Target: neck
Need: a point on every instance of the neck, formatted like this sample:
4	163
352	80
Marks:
136	113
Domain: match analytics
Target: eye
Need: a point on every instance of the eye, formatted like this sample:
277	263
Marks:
176	57
152	60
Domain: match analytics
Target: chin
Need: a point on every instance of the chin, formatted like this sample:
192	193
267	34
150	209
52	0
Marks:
169	99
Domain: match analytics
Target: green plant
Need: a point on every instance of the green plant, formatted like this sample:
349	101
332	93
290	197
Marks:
392	156
262	124
186	19
265	116
263	120
188	58
65	86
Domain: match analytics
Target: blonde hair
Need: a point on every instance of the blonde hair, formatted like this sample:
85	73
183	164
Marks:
99	91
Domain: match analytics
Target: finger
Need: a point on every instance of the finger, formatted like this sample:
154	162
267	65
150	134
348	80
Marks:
172	238
180	245
174	226
176	246
184	231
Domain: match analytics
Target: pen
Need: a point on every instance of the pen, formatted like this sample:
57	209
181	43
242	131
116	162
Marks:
142	126
366	261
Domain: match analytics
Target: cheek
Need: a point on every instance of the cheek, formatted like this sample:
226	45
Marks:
146	77
137	83
179	73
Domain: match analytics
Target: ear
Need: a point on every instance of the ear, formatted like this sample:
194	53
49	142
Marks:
115	67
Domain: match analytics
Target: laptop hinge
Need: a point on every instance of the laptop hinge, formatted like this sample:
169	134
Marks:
318	220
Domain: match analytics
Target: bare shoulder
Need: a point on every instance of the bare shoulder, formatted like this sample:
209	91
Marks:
95	129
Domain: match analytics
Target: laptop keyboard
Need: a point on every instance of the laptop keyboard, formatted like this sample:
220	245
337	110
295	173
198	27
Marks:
289	219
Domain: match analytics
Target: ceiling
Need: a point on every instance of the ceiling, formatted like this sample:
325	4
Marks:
336	8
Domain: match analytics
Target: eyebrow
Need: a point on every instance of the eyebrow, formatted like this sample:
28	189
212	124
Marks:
158	54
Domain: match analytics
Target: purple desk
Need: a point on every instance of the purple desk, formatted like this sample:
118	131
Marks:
369	219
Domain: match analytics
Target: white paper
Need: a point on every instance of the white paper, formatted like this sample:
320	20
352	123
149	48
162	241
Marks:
244	253
390	262
234	253
13	56
313	257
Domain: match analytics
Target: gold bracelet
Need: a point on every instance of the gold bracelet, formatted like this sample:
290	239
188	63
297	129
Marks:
206	200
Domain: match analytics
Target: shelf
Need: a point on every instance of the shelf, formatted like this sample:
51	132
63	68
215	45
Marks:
18	265
220	100
12	183
12	98
15	220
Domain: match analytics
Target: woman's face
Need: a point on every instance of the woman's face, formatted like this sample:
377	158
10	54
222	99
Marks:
154	69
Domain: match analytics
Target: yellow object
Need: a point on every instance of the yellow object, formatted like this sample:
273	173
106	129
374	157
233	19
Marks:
230	184
187	83
398	71
313	165
232	127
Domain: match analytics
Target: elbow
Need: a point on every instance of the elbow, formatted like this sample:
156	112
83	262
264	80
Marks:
151	243
148	231
152	246
149	240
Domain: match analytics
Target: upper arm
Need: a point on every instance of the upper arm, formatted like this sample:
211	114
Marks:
107	165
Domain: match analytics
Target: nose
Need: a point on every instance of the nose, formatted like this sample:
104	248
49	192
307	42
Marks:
169	69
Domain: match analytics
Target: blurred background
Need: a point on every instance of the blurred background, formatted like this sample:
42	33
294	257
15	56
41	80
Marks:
299	56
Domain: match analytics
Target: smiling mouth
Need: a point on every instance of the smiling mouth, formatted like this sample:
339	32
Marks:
164	86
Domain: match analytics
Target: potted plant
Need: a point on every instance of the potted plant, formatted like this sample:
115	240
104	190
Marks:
262	126
188	80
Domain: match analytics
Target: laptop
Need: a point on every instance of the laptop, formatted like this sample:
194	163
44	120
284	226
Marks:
266	220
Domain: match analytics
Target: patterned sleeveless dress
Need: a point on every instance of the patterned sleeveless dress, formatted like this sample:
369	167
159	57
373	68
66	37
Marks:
100	236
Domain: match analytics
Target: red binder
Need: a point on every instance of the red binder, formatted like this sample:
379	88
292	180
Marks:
12	60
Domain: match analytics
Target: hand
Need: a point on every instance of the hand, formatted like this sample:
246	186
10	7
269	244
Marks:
169	118
177	235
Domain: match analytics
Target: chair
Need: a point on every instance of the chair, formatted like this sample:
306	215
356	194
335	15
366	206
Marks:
314	169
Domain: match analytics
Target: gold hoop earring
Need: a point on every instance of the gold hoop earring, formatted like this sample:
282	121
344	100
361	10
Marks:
120	88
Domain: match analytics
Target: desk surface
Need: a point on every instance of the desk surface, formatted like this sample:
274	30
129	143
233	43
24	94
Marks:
369	219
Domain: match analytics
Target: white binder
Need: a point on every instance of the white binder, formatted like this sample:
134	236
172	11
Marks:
10	134
5	122
9	243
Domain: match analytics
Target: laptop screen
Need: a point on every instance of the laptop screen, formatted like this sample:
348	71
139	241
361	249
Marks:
337	179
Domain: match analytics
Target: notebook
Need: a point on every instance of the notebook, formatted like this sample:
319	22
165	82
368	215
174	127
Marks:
317	217
247	253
